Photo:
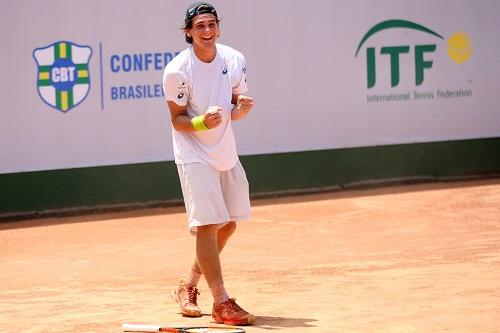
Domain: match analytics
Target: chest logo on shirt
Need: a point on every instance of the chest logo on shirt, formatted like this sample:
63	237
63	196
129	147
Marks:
224	71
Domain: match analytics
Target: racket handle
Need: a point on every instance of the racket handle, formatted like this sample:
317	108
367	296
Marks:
147	328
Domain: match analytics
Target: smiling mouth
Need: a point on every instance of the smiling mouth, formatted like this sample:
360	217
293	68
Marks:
207	38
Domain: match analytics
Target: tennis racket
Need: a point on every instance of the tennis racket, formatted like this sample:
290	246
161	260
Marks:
202	329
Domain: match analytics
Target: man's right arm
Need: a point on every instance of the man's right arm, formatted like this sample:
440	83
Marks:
180	119
183	123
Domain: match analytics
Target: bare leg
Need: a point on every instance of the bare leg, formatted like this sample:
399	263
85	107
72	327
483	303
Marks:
207	253
223	235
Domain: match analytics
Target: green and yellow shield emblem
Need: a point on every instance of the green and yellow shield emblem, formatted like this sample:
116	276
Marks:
63	74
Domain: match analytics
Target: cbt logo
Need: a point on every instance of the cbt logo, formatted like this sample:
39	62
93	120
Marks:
63	74
459	51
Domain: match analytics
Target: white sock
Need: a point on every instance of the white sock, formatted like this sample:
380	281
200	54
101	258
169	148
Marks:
193	279
220	294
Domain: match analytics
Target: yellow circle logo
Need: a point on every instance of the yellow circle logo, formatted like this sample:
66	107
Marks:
459	47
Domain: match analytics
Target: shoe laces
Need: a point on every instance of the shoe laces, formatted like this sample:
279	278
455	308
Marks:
232	306
192	294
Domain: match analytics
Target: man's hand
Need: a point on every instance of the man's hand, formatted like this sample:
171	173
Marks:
213	117
244	105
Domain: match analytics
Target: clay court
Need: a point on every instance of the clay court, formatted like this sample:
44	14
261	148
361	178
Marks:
419	258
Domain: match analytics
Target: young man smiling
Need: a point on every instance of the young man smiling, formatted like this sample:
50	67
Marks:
203	86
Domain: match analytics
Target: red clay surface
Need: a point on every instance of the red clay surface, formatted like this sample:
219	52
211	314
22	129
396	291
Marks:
421	258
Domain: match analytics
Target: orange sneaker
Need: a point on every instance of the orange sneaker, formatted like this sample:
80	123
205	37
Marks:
186	297
230	313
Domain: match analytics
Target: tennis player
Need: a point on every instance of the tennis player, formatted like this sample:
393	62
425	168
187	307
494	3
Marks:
204	87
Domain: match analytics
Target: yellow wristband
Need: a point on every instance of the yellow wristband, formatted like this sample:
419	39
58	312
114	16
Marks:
198	123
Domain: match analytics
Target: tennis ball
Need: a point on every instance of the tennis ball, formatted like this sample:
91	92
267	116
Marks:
459	47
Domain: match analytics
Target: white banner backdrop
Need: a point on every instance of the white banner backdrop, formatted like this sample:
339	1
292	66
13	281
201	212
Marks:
82	80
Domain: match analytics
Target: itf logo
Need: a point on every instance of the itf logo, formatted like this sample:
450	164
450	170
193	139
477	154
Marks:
63	74
459	51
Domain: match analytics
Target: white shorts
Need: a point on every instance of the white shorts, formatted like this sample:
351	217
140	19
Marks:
214	197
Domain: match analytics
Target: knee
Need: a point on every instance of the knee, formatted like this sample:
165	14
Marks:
207	230
229	228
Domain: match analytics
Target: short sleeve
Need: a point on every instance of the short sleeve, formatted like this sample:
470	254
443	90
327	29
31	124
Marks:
175	87
239	79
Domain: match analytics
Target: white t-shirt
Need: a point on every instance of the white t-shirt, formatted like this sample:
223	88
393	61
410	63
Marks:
189	81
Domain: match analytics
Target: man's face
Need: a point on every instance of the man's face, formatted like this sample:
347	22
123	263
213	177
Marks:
205	30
